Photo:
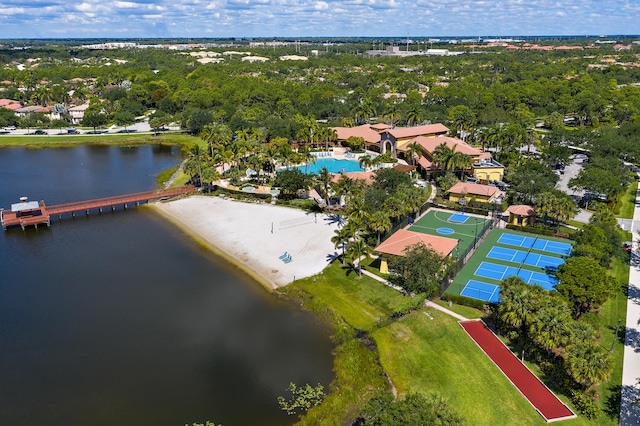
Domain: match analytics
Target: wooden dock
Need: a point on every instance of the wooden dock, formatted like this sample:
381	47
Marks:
41	215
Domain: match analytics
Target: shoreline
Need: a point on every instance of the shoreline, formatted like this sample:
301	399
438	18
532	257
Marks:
253	236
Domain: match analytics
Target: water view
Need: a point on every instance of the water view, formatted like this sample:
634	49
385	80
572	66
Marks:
119	318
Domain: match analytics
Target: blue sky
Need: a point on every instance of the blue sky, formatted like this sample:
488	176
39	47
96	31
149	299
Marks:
299	18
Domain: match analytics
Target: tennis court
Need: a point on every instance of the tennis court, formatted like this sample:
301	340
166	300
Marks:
500	272
535	243
528	258
481	291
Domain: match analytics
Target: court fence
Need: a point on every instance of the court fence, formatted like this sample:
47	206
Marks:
455	297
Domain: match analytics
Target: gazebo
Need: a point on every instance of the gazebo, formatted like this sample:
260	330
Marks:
521	214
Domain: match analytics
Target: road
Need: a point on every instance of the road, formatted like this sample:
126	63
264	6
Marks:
629	408
138	127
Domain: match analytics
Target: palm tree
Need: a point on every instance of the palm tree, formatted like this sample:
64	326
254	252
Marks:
549	328
516	307
324	180
357	249
589	363
216	136
413	151
379	221
307	158
391	114
197	155
460	161
341	239
413	116
345	188
443	155
566	209
365	161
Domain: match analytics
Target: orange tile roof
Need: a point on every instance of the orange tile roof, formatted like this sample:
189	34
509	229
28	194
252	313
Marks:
366	176
426	164
430	144
429	129
522	210
397	243
473	189
380	126
363	131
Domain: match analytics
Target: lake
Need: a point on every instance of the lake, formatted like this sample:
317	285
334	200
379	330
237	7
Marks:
119	318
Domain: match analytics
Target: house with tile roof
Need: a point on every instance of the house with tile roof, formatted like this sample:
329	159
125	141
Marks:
383	138
473	191
484	168
398	243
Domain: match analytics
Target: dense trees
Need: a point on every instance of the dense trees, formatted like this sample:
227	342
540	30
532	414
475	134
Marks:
414	409
420	270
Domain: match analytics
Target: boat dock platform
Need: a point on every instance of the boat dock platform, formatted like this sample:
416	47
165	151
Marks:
34	213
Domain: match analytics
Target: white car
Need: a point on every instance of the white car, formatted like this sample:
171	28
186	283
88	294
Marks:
9	128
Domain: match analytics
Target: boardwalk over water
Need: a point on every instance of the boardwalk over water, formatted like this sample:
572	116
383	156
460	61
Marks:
42	214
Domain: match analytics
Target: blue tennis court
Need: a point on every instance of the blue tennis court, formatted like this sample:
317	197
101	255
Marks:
528	258
481	291
500	272
458	218
536	243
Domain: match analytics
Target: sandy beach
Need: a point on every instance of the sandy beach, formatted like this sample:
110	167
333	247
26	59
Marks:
254	236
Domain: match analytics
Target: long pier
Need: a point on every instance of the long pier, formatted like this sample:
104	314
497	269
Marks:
39	213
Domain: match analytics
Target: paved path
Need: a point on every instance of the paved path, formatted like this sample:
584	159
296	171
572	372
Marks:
428	303
630	412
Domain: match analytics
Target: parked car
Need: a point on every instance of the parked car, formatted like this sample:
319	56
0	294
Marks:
40	132
9	128
72	131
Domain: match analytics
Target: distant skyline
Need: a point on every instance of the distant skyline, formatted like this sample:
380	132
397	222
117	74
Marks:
315	18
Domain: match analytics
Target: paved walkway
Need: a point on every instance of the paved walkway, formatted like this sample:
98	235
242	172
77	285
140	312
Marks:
630	412
428	303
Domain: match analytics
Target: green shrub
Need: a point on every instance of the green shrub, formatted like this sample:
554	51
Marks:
464	301
585	403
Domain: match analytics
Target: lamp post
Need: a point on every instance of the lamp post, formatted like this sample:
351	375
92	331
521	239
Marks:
615	336
475	235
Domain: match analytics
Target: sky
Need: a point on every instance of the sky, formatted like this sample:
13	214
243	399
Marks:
315	18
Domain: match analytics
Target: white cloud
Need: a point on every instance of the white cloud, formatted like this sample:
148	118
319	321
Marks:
268	18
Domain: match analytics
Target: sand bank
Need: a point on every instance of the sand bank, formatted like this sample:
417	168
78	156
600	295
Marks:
254	236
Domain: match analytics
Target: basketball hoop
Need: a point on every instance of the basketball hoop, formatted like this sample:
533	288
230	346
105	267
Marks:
463	202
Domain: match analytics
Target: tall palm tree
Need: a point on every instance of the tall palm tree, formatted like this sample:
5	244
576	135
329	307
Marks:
193	164
460	161
345	188
379	222
549	328
365	161
323	178
413	116
589	363
341	239
442	156
357	249
413	152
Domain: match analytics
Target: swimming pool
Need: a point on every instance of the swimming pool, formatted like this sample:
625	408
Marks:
334	165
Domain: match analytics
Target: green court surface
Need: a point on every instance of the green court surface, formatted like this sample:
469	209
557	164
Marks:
501	240
454	225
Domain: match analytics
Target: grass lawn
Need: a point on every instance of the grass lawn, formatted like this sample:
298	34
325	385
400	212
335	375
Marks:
421	354
119	139
437	355
626	202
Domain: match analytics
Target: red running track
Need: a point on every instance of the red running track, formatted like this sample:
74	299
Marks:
542	399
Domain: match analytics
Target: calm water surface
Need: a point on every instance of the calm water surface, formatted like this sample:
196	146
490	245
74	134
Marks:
120	319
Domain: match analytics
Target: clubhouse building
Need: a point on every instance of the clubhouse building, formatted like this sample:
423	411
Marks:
382	138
